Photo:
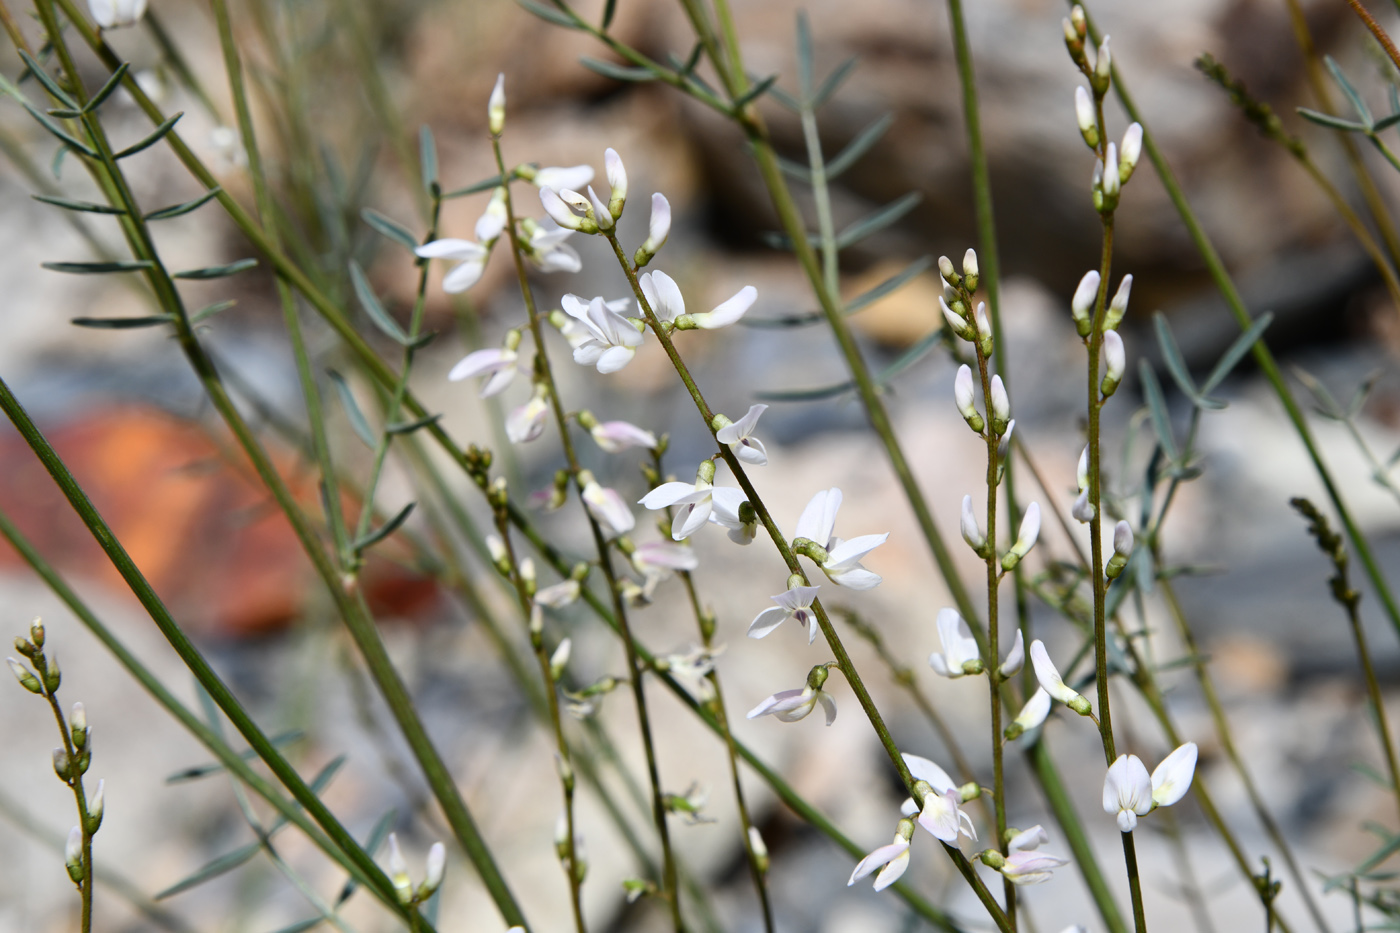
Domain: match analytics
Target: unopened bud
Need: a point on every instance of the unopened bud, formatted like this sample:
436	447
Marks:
1025	540
1115	362
970	271
434	871
1119	306
560	659
617	181
61	765
971	533
566	772
398	872
658	230
26	679
1122	550
78	725
1087	118
1001	406
52	677
950	274
1103	67
1129	152
1083	509
499	556
1111	184
527	576
955	321
1082	304
1079	21
963	398
758	850
1074	43
95	808
496	107
984	329
36	632
73	856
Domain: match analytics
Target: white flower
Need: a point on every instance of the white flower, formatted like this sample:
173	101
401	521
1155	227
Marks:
1001	403
616	436
470	258
1127	791
559	595
795	604
842	565
1111	181
1052	683
658	557
606	506
727	312
1114	357
492	221
1119	305
568	209
1015	658
435	869
740	440
1023	864
1172	778
944	818
1025	538
695	501
959	653
1031	715
962	397
602	215
574	177
612	340
526	423
544	246
663	294
792	705
1082	304
114	14
892	860
658	229
726	512
930	773
501	364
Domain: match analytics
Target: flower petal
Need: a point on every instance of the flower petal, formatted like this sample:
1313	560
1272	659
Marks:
881	856
450	248
1172	778
819	517
614	358
847	553
481	361
728	312
766	621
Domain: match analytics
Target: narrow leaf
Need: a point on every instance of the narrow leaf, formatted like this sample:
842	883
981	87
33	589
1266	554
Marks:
156	136
1157	408
389	228
201	771
754	93
427	155
1363	391
1385	123
804	55
87	206
179	210
208	311
1361	109
352	410
859	146
376	839
107	89
786	99
794	320
1326	404
304	925
878	221
805	395
217	272
122	323
62	134
495	181
549	15
909	357
370	302
1236	351
834	81
57	165
617	72
795	170
1171	355
383	531
609	11
47	81
891	284
692	60
1326	119
317	785
411	426
98	268
221	865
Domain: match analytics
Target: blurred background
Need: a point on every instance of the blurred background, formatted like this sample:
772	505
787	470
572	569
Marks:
341	89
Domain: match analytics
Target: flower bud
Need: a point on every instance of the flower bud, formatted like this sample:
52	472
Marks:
527	576
955	322
950	275
1035	711
114	14
78	725
561	210
1073	43
398	872
971	533
1086	116
1110	183
1115	362
984	329
602	214
36	633
1119	306
1129	152
758	850
1103	67
496	106
1122	550
1081	469
73	855
434	871
1001	406
560	659
1025	540
1083	509
992	859
657	230
617	180
26	680
499	557
970	271
61	765
1080	21
1082	304
962	397
52	677
95	807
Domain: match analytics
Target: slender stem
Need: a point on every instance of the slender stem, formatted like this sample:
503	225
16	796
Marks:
1376	30
1134	881
670	887
74	780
